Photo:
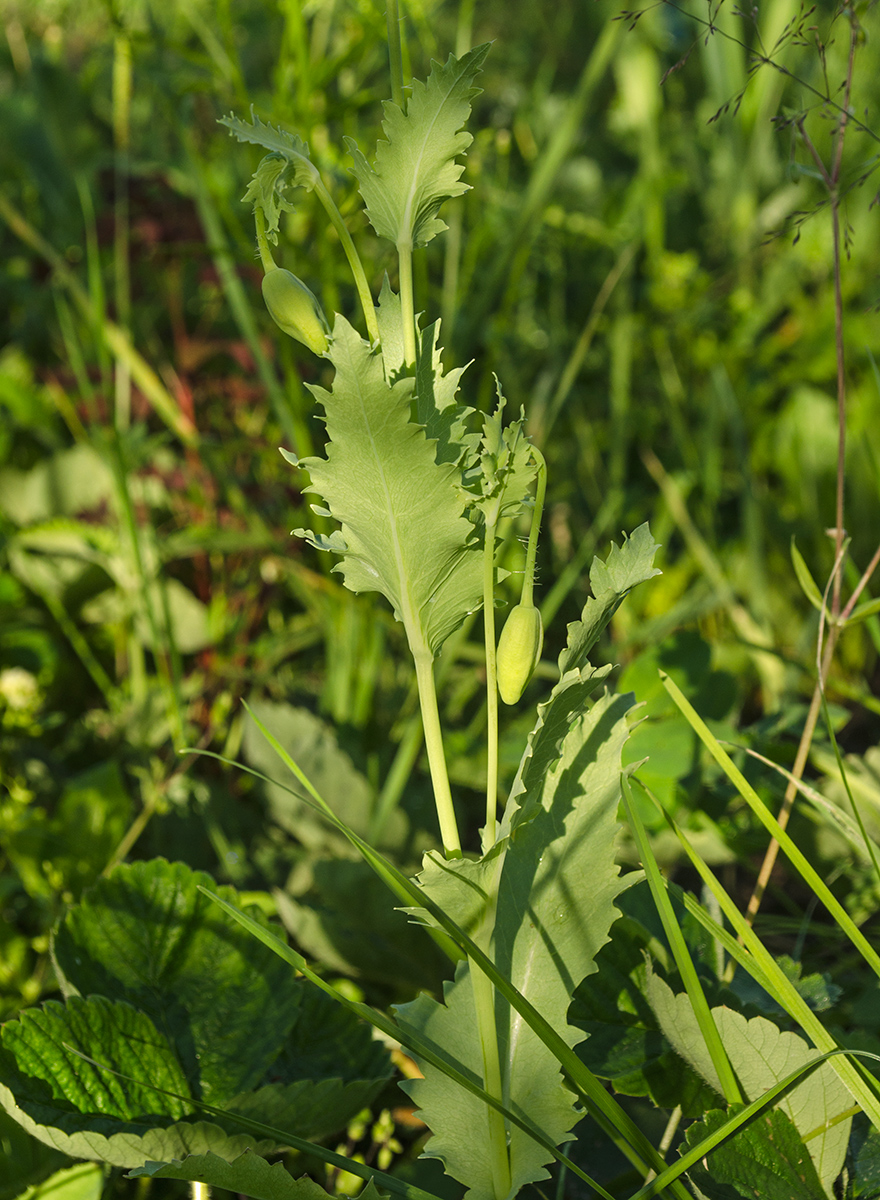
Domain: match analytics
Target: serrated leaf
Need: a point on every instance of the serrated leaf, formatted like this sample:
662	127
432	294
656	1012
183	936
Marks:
146	934
249	1175
444	420
401	513
390	320
289	145
765	1161
528	896
761	1055
625	567
415	168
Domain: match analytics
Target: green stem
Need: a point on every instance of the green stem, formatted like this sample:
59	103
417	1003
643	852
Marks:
532	551
357	268
266	258
491	687
424	663
484	1001
407	301
395	52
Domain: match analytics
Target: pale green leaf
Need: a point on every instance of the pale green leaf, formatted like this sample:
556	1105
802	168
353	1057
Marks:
415	168
249	1175
444	419
400	512
85	1181
761	1055
390	319
502	468
545	900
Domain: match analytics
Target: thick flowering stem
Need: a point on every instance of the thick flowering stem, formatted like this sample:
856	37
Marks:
491	687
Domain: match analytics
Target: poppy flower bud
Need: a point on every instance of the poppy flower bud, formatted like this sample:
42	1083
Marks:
519	651
295	309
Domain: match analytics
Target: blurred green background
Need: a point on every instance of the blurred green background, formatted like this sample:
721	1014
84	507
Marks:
645	261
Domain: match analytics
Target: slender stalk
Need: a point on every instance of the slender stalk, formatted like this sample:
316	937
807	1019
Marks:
200	1191
424	663
395	52
357	268
407	301
491	687
831	180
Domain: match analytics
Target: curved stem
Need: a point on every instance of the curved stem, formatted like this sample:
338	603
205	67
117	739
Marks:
491	687
424	663
266	257
357	269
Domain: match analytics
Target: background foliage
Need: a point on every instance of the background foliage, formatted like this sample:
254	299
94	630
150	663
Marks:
644	260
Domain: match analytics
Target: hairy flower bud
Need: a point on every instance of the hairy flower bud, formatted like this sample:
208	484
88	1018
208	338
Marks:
519	651
295	309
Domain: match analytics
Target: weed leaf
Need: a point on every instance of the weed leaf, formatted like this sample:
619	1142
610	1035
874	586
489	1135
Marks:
761	1055
415	168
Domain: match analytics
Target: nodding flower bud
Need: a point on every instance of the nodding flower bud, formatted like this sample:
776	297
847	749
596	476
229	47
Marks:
519	651
295	309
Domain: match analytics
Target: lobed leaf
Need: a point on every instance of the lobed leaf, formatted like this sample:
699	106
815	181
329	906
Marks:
415	169
400	512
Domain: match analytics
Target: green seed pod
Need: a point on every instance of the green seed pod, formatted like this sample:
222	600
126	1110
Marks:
295	309
519	651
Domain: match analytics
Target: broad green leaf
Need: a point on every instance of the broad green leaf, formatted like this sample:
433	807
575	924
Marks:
767	1160
761	1055
401	513
626	566
249	1175
528	896
415	168
147	935
85	1181
69	482
68	1103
